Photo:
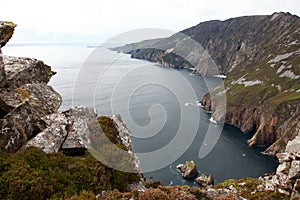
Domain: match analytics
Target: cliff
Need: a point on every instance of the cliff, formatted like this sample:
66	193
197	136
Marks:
260	57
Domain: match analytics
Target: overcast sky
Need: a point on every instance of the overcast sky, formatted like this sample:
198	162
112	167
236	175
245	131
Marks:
88	20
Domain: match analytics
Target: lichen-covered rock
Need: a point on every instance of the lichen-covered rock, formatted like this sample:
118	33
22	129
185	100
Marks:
77	139
21	71
6	31
2	71
18	126
51	139
39	95
188	170
66	132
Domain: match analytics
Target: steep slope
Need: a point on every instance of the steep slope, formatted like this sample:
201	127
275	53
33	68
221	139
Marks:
260	56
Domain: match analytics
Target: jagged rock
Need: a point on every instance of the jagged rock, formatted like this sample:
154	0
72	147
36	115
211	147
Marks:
204	181
125	136
21	71
284	157
188	170
51	139
296	190
294	172
77	140
283	168
6	32
281	191
66	132
40	96
294	145
18	126
210	180
2	71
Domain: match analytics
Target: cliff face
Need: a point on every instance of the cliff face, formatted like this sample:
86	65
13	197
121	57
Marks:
263	92
260	56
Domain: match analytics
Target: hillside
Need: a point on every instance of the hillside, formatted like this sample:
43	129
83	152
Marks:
260	55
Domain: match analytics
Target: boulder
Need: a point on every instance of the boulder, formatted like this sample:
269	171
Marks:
76	141
40	96
51	139
210	180
188	170
204	181
66	132
296	190
294	172
293	146
18	126
21	71
284	157
2	71
6	32
283	168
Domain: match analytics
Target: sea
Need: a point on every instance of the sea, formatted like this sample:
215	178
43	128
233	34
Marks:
159	105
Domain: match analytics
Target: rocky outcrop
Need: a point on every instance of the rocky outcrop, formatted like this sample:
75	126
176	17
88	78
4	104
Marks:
25	98
66	132
21	71
188	169
204	181
287	177
18	126
6	32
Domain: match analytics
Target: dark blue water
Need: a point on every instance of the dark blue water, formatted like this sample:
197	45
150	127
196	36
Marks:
158	104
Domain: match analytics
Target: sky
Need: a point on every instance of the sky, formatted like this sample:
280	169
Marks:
94	20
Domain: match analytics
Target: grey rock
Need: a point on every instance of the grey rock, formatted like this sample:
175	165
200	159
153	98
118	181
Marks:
284	157
188	170
2	71
6	32
51	139
18	126
76	141
40	96
283	168
66	132
125	137
293	146
21	71
202	180
296	190
294	172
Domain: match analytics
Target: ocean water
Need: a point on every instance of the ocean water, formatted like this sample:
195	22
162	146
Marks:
160	107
